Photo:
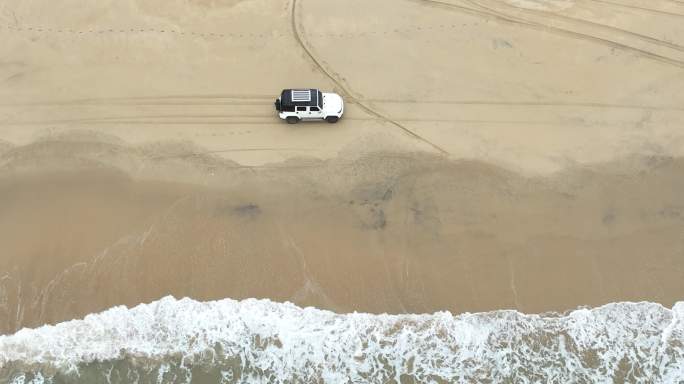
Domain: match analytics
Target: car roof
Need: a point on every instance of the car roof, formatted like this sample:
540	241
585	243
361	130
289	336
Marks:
300	97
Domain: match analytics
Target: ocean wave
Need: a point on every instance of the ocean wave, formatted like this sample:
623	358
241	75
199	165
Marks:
227	341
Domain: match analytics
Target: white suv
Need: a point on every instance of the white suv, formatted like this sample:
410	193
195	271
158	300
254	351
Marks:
294	105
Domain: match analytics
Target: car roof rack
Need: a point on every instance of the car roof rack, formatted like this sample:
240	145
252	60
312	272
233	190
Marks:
301	97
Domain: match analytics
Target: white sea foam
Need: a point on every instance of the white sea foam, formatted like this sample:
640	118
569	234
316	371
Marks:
637	342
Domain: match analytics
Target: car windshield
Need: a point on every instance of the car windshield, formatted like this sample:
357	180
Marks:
320	99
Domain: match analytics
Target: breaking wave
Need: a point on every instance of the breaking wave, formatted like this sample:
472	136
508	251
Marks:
231	341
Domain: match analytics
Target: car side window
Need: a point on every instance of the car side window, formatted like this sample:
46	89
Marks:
301	109
288	108
314	109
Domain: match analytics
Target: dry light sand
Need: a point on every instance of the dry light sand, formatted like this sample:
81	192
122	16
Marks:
494	154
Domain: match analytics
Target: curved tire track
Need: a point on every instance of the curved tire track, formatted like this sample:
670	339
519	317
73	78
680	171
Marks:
552	15
588	37
483	11
644	9
300	40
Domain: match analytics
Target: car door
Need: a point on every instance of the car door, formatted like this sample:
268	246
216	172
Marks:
315	113
302	113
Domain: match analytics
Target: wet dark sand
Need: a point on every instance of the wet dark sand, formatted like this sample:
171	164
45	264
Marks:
383	233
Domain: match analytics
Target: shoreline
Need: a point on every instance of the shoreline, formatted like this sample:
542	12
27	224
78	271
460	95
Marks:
227	339
140	155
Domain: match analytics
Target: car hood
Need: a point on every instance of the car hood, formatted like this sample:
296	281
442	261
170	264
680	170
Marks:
332	103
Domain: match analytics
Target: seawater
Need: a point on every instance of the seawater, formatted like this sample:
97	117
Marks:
259	341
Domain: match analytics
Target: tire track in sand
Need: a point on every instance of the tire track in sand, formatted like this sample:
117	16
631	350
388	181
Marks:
209	99
300	40
589	23
588	37
266	100
565	104
644	9
483	11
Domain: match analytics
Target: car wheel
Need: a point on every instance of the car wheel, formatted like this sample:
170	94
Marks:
332	119
292	120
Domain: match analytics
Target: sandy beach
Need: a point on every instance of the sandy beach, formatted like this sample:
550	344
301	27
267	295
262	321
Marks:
493	155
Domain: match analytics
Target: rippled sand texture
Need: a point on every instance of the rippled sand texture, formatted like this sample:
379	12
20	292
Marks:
493	154
534	86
